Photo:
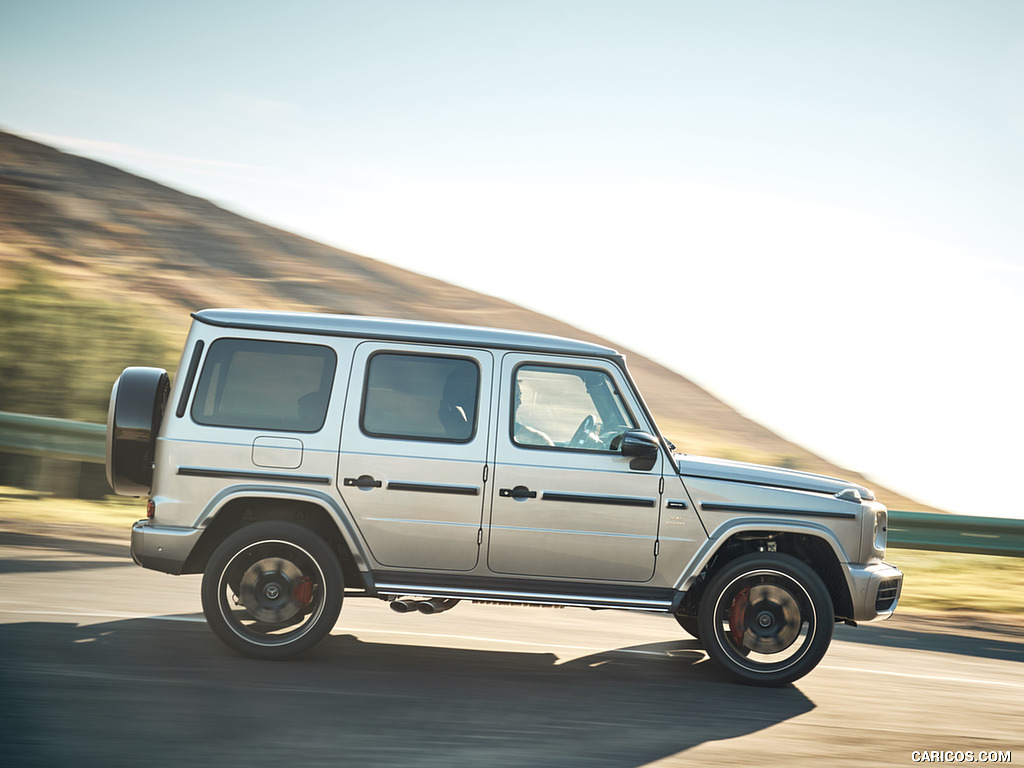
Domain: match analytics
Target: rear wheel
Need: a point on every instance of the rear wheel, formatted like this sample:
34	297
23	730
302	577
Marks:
272	590
766	619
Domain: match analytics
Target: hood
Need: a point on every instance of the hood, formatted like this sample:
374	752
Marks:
737	471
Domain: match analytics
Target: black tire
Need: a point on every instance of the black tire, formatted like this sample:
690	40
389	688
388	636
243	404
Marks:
272	590
137	403
690	625
766	619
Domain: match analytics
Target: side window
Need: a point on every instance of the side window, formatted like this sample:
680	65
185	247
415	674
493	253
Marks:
269	385
420	397
574	408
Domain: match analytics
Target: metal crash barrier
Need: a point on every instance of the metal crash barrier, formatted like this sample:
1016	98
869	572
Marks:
956	533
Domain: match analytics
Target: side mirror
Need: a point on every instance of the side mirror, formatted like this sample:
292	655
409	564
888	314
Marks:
639	446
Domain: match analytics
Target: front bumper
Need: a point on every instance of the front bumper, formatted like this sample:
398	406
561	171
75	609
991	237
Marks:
162	548
875	590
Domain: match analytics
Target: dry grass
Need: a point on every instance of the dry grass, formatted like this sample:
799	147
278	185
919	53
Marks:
951	581
111	517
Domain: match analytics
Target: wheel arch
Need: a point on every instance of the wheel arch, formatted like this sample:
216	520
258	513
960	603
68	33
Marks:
235	508
812	544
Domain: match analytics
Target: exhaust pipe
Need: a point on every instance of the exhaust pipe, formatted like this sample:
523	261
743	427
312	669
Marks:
437	605
404	605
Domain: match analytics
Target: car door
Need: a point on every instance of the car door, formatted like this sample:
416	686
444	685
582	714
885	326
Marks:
413	453
568	504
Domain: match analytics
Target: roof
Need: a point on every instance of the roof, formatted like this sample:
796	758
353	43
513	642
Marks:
390	329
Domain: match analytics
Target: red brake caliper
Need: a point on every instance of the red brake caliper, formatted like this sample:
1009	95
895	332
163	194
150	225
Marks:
303	592
738	615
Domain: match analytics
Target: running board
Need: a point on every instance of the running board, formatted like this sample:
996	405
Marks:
528	598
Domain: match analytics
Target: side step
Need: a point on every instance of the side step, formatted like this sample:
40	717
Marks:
441	596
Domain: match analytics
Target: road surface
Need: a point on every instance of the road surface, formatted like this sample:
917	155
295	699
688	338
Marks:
103	663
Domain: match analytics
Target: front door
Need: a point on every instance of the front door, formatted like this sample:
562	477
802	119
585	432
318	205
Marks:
566	503
413	453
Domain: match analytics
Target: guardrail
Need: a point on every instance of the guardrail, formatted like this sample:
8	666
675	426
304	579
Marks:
52	438
956	533
78	441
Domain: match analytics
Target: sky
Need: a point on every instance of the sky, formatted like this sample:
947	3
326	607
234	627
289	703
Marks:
815	210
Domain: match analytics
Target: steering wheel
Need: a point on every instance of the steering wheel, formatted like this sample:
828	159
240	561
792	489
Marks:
583	431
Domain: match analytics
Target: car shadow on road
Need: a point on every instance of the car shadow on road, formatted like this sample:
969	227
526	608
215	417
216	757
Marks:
36	553
168	690
959	637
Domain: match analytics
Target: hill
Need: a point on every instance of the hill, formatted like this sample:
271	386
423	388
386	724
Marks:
159	254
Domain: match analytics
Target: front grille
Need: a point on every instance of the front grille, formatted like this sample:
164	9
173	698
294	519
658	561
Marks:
888	590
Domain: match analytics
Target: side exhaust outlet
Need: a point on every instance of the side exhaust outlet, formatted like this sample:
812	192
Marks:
437	605
404	605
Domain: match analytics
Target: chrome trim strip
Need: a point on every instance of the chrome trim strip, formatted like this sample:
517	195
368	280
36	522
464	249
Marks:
574	532
723	506
271	477
448	523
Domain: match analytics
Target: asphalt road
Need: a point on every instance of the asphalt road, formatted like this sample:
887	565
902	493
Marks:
103	663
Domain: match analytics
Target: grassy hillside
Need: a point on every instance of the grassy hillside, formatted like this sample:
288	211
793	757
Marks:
119	252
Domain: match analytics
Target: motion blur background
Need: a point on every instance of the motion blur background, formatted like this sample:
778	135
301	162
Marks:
812	210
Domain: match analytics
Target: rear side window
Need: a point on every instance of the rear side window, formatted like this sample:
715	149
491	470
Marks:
421	397
267	385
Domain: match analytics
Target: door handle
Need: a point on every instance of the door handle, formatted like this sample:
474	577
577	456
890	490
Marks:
366	482
519	493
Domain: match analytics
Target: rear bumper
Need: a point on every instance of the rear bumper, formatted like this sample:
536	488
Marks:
875	590
162	548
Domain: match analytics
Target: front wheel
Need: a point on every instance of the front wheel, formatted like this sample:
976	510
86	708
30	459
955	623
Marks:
272	590
766	619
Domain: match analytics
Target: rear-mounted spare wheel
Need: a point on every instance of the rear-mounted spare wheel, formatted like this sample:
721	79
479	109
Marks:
137	404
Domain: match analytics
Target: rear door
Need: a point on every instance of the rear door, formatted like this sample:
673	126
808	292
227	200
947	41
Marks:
263	410
413	453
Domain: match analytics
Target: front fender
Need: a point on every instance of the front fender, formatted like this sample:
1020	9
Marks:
729	530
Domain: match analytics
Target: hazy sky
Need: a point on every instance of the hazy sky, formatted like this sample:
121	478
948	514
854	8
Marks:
813	209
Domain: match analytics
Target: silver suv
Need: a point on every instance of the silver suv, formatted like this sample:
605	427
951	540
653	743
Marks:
300	459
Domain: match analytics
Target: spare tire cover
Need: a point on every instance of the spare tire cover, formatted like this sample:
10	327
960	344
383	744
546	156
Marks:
137	404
